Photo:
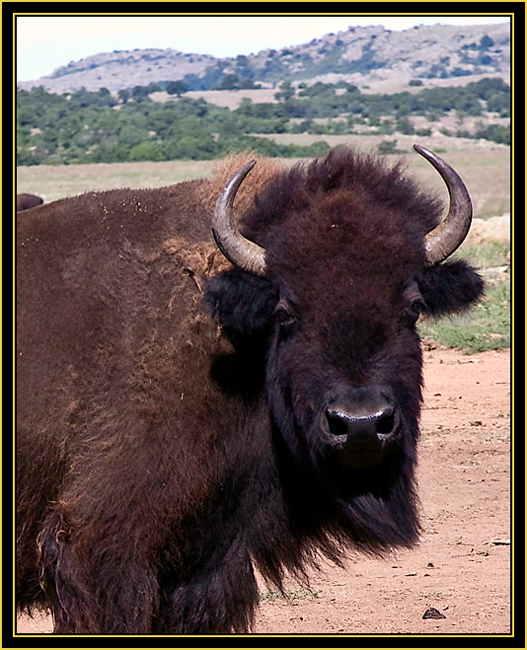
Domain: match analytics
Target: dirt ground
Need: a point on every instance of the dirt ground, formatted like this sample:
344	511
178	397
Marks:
462	566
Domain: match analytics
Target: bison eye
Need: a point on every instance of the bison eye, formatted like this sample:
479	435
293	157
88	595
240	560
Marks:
284	317
413	301
413	310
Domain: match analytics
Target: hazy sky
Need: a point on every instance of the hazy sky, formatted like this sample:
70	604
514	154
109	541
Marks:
47	42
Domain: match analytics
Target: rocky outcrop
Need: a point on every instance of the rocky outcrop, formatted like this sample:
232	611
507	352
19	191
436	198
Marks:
497	229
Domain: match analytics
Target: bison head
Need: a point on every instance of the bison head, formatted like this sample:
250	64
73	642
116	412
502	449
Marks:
335	266
26	201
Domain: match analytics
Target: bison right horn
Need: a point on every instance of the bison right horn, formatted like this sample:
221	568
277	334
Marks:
239	250
449	235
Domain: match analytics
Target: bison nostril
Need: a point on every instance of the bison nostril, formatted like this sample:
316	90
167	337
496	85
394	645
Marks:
386	424
337	424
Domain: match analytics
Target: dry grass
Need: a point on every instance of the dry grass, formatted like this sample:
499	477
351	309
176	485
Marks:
55	182
399	83
484	166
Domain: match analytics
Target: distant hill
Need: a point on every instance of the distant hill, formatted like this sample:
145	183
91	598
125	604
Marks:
358	55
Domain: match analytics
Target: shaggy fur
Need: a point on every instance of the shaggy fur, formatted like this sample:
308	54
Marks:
224	170
163	453
26	201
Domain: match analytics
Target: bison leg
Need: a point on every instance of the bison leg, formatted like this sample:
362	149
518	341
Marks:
100	594
220	600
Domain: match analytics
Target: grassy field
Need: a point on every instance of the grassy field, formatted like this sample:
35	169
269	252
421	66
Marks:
484	167
55	182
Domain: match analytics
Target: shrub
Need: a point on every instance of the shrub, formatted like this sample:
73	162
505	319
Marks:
387	147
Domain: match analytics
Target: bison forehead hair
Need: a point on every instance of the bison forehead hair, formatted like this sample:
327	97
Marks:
344	234
349	207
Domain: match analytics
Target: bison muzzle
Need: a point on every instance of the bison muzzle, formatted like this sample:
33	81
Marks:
195	405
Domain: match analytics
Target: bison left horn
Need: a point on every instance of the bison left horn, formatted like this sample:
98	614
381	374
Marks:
449	235
239	250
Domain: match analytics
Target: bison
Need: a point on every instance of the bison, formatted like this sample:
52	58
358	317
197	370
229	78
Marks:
190	409
26	201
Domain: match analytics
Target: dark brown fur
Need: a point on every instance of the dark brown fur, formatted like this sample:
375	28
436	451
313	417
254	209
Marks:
26	201
161	452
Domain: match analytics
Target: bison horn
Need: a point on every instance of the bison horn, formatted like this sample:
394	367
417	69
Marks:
449	235
242	252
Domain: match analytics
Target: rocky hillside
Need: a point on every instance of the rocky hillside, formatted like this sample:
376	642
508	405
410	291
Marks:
358	55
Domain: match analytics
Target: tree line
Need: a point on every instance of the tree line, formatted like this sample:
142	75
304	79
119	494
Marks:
83	127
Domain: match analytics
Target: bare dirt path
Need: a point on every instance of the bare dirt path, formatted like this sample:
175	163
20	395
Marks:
462	565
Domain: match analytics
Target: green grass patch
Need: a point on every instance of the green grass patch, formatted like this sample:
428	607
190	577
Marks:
433	595
485	327
293	594
485	255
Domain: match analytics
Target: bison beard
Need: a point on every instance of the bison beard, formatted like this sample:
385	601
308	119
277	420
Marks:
179	424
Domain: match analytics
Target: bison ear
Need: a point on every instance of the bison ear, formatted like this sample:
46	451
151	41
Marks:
450	288
243	303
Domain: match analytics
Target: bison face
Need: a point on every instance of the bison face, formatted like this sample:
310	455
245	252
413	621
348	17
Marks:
346	261
344	383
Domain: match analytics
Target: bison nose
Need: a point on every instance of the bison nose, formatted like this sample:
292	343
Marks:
361	425
361	419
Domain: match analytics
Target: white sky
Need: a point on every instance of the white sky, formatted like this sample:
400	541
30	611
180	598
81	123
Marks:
47	42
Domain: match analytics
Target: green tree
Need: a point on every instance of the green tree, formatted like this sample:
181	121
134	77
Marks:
131	136
146	151
499	103
140	93
229	82
153	87
404	126
176	87
387	147
286	91
485	42
124	95
246	107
